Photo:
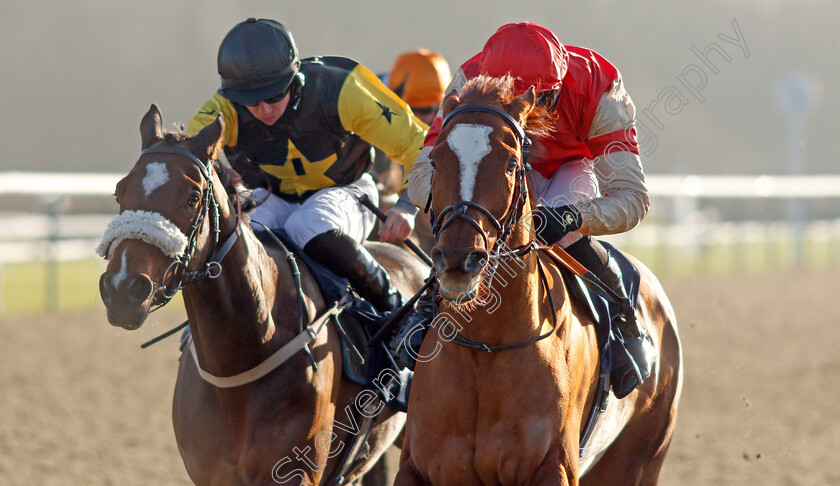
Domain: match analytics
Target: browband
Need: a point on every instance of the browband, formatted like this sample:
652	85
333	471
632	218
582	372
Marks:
520	132
205	171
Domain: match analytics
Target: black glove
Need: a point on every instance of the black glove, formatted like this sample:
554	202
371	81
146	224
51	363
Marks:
553	223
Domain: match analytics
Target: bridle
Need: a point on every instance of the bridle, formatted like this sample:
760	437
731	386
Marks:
504	227
458	210
213	267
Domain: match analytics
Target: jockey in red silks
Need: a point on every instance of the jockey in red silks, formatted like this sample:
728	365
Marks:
588	179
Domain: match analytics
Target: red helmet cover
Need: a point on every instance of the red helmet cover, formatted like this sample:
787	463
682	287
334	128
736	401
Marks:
529	53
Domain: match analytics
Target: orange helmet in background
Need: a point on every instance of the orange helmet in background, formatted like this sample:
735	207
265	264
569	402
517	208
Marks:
420	77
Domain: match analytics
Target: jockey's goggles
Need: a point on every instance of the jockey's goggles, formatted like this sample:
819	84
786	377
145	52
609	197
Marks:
428	110
273	99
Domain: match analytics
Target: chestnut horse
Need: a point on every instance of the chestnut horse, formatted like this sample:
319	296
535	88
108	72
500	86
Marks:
180	227
503	388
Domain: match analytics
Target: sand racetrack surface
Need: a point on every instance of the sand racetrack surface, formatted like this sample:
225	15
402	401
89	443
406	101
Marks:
82	404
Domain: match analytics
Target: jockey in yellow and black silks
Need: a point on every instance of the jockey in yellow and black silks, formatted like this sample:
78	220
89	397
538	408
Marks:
301	131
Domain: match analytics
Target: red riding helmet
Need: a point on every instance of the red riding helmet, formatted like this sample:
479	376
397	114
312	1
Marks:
530	53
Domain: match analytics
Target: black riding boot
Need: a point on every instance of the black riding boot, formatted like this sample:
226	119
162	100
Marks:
346	258
632	364
412	330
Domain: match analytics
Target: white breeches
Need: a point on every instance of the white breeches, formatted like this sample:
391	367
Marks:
328	209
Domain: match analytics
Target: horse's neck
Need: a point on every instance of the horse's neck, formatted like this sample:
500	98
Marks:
230	316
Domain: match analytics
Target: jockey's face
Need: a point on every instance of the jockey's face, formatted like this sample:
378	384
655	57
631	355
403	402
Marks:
426	114
549	98
269	113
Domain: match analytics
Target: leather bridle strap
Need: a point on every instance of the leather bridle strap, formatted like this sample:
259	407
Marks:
517	128
458	210
205	171
212	268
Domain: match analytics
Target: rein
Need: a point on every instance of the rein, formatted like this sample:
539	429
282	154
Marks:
462	341
213	267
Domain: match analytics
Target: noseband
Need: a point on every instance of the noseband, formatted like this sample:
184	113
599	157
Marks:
212	268
456	211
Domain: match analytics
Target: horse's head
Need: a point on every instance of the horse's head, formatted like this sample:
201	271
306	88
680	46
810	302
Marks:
478	190
170	206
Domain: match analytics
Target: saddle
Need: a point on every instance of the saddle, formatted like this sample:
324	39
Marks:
356	323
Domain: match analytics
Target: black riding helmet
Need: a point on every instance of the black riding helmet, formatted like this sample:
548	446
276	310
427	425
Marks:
257	60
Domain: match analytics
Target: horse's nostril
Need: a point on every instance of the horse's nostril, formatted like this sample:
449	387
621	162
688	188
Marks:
104	289
475	262
437	260
140	288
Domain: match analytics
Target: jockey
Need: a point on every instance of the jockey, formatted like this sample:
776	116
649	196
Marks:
418	77
302	131
588	180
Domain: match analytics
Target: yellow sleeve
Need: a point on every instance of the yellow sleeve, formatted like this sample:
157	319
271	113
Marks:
369	109
208	112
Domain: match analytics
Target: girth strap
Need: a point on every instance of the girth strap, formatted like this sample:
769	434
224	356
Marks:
310	333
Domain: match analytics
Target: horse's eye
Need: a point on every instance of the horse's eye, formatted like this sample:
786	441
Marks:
116	198
511	165
193	200
432	162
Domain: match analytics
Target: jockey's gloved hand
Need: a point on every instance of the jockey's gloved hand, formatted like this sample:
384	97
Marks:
554	223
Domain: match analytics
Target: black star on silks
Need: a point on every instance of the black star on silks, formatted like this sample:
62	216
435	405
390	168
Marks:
386	112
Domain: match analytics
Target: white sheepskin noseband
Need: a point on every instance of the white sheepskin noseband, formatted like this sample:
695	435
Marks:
147	226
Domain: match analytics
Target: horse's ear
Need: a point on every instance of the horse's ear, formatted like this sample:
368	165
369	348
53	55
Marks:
207	144
450	102
151	127
521	107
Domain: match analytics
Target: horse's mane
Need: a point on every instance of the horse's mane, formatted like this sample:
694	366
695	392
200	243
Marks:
487	90
175	134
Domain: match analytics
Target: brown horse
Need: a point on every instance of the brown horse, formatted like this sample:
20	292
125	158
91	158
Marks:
504	386
260	422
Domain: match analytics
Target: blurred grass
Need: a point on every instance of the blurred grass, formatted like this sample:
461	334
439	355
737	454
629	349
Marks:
24	287
735	257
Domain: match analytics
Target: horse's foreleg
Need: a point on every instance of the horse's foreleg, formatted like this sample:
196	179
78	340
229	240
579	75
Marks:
556	475
408	475
556	469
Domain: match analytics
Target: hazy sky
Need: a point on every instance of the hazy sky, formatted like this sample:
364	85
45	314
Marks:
78	75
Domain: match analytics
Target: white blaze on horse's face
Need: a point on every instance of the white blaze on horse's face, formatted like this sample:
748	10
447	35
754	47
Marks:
156	176
121	275
471	143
